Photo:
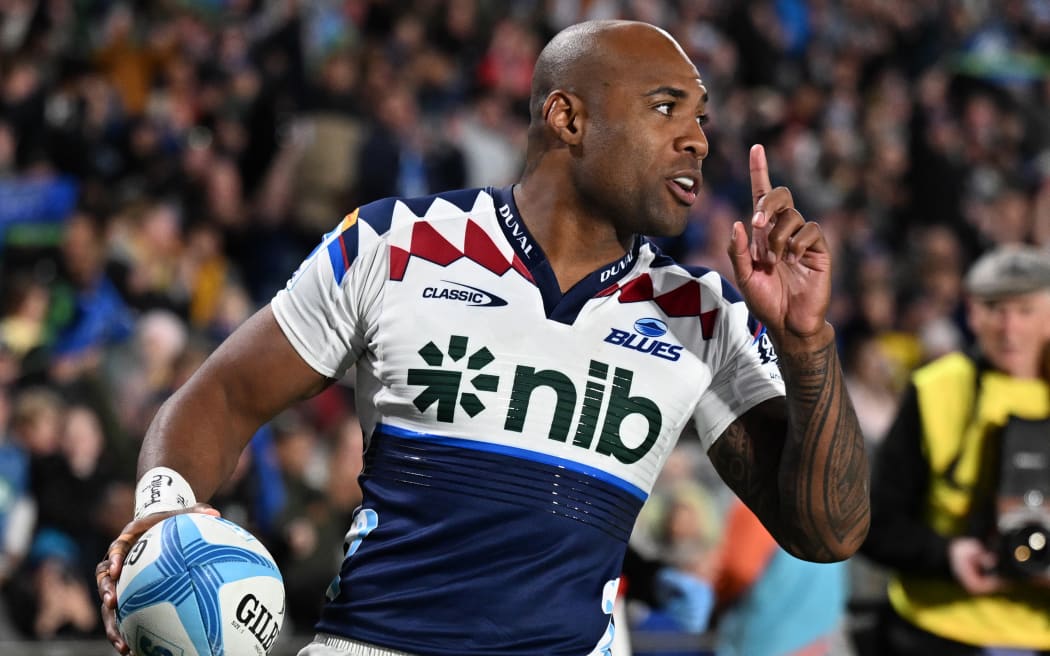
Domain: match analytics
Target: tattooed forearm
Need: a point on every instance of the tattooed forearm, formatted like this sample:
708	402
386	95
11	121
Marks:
801	465
748	464
823	474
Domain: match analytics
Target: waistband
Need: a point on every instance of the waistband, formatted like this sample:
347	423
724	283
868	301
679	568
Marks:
353	647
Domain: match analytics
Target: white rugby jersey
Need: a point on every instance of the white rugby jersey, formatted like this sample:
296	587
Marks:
513	432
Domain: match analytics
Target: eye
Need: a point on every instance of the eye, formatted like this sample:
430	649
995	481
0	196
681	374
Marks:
702	120
665	108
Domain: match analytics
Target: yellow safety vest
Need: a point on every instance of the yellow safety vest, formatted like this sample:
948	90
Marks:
953	434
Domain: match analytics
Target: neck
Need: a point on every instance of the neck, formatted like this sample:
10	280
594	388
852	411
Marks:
575	238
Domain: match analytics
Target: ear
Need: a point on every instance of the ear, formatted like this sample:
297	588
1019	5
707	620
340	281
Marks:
564	114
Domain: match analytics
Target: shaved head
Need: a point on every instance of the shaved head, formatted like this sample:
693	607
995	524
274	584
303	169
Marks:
582	55
616	112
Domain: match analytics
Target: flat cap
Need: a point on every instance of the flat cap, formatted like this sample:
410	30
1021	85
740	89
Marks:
1009	271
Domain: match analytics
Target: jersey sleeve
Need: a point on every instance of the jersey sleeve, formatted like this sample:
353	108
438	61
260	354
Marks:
746	369
324	307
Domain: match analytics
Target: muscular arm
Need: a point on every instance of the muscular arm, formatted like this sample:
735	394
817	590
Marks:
799	463
202	429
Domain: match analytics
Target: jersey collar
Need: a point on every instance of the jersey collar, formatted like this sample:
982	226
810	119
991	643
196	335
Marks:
559	307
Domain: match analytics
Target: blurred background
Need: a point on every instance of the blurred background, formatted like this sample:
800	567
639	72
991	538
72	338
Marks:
165	166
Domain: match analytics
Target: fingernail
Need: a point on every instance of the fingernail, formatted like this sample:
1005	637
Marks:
759	219
772	257
790	258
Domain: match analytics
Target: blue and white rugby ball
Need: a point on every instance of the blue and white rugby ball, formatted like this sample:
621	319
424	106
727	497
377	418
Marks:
197	585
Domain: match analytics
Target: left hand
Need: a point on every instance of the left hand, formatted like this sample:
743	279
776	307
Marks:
782	264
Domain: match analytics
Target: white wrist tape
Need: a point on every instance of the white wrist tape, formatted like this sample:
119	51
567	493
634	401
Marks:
162	489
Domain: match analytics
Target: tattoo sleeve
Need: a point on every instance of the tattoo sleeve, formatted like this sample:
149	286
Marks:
801	465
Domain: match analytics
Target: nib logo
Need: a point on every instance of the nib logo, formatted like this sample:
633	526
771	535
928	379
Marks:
610	414
441	386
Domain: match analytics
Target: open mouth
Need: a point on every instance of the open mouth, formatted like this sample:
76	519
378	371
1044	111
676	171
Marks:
684	188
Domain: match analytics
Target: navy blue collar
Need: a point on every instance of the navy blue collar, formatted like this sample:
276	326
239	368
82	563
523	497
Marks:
563	308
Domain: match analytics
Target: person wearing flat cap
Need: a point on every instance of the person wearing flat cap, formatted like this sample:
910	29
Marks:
934	486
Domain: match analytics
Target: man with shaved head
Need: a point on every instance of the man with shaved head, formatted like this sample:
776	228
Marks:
525	361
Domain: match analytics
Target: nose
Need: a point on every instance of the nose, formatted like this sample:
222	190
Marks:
693	141
1011	324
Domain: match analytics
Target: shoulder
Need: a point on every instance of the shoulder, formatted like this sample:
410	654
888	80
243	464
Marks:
953	366
387	213
676	285
371	228
668	274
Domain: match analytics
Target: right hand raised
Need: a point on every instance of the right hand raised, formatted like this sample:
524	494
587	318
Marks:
107	573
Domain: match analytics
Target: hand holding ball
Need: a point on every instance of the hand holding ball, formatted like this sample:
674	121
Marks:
198	585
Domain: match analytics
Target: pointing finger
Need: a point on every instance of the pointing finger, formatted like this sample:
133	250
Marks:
760	185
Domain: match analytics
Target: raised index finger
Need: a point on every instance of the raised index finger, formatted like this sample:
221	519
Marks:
760	185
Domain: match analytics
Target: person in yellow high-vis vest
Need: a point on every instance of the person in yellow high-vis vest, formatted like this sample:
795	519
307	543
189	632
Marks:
930	497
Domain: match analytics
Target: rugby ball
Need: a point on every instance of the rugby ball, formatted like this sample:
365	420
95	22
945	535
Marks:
197	585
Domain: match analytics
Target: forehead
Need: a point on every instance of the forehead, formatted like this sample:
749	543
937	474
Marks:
1039	298
651	60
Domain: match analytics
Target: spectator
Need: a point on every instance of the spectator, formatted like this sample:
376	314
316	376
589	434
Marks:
74	470
490	138
952	591
17	508
401	157
48	597
23	326
36	421
309	523
99	316
129	65
870	381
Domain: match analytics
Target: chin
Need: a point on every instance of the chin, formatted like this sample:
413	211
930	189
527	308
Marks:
668	227
1015	366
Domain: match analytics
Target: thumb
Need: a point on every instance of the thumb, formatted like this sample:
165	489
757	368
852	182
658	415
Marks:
740	253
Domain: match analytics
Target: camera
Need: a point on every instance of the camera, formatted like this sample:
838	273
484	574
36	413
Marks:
1022	502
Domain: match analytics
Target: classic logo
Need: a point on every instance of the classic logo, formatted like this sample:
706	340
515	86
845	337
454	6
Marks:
643	339
471	296
442	387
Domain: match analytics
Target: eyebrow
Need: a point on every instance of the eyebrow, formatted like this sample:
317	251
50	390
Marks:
674	92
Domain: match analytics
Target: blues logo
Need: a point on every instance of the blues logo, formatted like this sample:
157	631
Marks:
650	327
644	339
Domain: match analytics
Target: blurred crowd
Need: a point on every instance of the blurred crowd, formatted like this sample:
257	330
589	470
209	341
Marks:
165	165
